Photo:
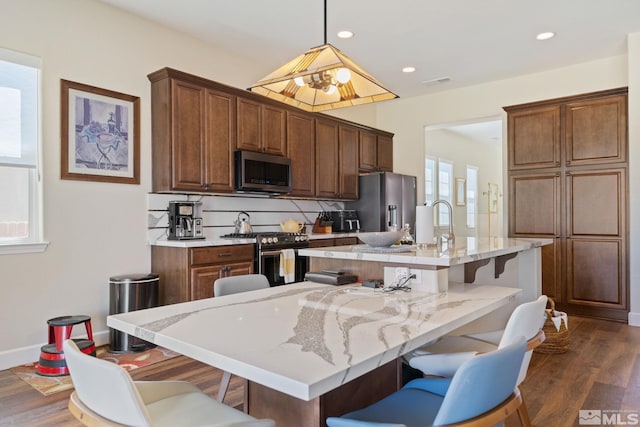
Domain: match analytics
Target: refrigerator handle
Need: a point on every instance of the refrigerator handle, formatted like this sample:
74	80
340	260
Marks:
392	217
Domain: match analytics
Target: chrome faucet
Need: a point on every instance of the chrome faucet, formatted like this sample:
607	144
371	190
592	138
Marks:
451	238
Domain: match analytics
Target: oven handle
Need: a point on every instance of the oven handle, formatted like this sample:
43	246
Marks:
267	253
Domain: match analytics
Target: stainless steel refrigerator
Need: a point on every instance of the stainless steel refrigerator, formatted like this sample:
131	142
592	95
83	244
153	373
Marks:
386	200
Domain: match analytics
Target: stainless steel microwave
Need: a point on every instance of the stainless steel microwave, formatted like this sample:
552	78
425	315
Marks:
262	172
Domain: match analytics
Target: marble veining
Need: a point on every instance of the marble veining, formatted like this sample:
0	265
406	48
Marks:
305	339
465	250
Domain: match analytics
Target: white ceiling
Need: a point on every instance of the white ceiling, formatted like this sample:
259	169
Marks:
468	41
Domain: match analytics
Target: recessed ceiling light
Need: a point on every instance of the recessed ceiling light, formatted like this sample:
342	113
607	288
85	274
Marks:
345	34
546	36
408	69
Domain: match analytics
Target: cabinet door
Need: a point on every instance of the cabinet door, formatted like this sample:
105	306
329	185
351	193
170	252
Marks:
261	127
326	158
534	138
238	269
348	155
202	279
301	150
187	139
385	153
596	241
368	151
534	205
273	138
596	131
535	211
220	130
249	125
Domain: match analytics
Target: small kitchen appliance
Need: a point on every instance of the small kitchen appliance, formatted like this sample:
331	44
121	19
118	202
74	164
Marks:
185	220
345	221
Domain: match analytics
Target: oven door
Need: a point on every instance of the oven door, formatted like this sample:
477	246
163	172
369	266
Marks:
269	265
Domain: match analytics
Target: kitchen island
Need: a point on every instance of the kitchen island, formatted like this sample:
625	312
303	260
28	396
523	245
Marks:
310	350
495	261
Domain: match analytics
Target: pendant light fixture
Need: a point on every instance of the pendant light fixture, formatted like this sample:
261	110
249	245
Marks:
322	78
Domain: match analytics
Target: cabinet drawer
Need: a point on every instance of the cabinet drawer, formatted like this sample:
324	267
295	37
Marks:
221	254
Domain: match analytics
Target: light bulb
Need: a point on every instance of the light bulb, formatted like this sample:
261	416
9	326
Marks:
299	81
331	90
343	75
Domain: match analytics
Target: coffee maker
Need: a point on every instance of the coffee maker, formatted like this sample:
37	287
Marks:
185	220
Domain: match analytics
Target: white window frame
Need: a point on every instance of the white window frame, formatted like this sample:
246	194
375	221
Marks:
472	197
34	242
442	216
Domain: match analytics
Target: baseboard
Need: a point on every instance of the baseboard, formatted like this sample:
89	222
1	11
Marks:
634	319
24	355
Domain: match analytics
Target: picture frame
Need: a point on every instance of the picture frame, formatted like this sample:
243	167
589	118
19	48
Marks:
493	197
99	134
461	192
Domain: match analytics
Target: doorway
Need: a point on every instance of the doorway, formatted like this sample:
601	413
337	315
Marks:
464	165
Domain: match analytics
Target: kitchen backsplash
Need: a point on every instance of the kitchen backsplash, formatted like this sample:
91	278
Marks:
220	212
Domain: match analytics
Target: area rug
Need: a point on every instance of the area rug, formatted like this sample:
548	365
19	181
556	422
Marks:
129	361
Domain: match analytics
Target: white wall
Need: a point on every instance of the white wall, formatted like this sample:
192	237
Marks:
463	152
634	176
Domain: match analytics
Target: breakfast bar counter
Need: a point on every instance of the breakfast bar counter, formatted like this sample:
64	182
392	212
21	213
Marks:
488	261
306	348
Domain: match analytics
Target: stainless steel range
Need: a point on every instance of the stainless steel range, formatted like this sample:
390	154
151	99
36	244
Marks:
269	246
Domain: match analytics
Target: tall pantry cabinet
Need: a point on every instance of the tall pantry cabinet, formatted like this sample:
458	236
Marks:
568	168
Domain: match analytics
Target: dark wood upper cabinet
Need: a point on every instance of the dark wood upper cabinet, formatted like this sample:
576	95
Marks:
385	153
348	168
534	138
261	127
193	132
596	131
197	124
375	151
301	144
327	158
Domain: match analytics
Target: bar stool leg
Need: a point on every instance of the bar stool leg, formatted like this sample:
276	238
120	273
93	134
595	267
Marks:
87	326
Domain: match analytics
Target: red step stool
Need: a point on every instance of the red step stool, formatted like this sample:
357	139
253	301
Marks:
52	362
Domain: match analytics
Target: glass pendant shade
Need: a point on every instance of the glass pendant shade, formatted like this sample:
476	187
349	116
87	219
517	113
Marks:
320	79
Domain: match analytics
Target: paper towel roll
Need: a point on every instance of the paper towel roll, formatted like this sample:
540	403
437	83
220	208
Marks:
424	224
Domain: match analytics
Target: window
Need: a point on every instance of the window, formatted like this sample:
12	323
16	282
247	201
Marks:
472	196
20	186
440	188
445	190
430	181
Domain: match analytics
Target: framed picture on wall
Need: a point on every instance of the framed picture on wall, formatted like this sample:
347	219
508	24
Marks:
493	197
461	192
100	134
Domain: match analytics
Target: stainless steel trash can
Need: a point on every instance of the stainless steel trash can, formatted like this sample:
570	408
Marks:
130	293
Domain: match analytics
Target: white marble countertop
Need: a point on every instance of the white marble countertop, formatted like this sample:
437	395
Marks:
197	243
466	250
306	339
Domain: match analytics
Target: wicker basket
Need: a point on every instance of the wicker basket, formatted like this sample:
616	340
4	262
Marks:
555	331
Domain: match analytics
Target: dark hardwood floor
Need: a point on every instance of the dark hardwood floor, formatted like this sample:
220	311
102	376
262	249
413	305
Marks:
600	371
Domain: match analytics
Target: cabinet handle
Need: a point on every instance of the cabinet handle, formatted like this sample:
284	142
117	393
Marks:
225	254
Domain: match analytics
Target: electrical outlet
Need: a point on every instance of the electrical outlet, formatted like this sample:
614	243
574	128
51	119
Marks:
401	274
